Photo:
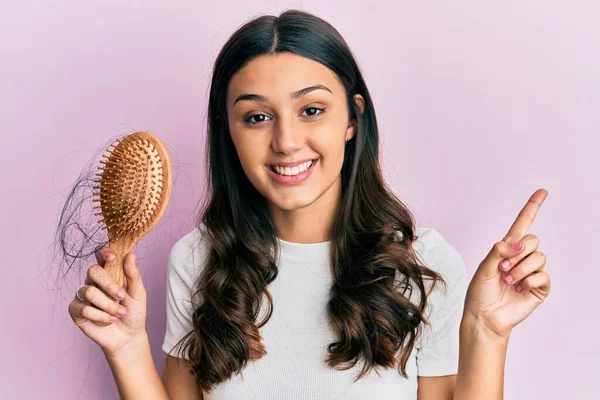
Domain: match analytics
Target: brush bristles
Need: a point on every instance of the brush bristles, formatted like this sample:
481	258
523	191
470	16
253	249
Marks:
130	186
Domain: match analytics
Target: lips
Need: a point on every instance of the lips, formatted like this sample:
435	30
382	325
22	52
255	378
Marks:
291	179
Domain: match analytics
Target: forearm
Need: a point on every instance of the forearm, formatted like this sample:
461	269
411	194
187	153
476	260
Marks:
482	357
135	373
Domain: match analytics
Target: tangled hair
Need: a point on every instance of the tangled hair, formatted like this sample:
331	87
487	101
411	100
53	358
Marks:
375	268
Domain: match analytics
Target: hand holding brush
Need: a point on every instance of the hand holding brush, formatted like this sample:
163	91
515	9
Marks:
133	188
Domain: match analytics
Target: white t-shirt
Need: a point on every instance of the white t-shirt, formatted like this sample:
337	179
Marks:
297	334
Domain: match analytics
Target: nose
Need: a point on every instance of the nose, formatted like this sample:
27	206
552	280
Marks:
287	137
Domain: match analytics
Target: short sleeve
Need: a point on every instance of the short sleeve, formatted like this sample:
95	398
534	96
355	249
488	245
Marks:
183	270
438	346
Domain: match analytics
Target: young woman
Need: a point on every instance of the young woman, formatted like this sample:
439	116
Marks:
306	277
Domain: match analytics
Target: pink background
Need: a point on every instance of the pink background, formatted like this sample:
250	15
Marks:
479	105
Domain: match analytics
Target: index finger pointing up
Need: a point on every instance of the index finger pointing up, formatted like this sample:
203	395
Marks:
525	218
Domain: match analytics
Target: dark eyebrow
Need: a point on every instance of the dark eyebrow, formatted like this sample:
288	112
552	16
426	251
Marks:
293	95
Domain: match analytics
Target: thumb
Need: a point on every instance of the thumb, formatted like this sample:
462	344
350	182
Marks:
135	286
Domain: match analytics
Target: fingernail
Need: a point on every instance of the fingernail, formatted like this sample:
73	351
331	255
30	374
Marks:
121	311
505	264
517	245
508	278
518	288
113	319
108	256
121	294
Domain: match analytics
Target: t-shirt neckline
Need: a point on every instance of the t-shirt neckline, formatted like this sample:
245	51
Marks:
312	251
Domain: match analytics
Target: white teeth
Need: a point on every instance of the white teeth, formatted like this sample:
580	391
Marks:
294	170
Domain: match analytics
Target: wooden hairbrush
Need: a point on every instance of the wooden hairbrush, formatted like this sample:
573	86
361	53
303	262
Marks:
133	189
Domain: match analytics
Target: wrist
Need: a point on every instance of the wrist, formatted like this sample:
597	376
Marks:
475	328
134	350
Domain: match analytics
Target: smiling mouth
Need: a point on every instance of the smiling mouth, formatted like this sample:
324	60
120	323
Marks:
293	171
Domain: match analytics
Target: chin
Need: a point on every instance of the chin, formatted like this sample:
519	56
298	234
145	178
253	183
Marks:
293	201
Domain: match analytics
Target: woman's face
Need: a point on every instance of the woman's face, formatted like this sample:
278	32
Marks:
291	147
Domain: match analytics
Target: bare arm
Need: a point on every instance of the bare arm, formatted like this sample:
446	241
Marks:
137	377
180	383
135	373
436	387
480	368
481	363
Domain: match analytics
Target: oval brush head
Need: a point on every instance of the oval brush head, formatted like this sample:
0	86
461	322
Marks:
132	190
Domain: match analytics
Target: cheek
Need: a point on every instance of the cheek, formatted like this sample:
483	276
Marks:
242	149
252	154
331	148
250	161
330	166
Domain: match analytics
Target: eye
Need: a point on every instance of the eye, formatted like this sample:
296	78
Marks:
322	110
262	116
249	119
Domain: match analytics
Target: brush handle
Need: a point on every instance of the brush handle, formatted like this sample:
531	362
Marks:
115	267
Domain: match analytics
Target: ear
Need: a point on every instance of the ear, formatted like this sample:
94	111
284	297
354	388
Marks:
360	101
351	131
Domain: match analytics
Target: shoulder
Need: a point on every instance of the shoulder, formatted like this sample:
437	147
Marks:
188	256
186	262
438	344
439	255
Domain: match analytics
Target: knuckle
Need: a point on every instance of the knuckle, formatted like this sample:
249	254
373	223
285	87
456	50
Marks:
86	312
100	250
527	214
518	274
499	247
94	272
114	288
541	256
535	240
545	276
527	280
114	307
90	293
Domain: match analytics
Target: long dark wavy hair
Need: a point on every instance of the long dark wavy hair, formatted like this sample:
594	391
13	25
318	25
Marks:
375	268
